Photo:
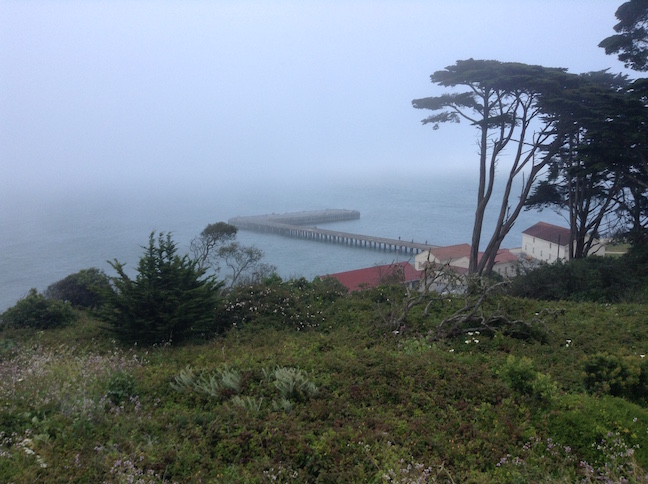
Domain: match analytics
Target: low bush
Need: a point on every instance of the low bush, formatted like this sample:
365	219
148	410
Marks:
86	288
520	375
596	279
297	304
38	312
620	376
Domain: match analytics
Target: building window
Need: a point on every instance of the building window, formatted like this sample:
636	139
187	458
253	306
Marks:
534	240
550	245
540	253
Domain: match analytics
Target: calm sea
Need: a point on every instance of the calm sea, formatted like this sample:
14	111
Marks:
46	239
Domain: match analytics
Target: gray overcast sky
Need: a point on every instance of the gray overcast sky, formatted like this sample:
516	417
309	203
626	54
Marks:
111	93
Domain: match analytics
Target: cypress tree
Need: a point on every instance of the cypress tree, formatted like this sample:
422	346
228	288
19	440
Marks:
169	299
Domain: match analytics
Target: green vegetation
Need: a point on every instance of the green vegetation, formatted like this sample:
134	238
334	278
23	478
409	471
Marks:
310	384
168	300
37	311
600	279
86	288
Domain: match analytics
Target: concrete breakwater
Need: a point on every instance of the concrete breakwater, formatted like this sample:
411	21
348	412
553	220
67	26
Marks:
298	225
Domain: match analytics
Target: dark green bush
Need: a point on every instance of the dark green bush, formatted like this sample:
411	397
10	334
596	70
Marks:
620	376
86	288
169	300
596	279
37	311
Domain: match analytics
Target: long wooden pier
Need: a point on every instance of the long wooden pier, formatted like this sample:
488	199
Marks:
295	224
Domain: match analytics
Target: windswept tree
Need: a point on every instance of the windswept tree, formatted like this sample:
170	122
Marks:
216	246
204	248
501	100
245	264
586	175
630	42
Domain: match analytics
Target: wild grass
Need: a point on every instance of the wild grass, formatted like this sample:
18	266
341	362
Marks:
348	399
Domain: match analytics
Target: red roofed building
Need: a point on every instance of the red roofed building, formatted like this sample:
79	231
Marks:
548	243
441	255
375	276
457	257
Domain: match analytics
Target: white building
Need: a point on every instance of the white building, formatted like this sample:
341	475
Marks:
441	256
549	243
457	257
505	262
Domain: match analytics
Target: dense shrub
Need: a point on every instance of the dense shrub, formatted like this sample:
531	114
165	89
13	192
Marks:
86	288
37	311
597	279
520	375
169	300
620	376
297	303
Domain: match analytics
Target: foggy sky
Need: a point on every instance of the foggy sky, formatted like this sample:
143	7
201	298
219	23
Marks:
110	94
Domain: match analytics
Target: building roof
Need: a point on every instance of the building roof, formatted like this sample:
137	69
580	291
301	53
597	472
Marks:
550	233
504	255
375	276
451	252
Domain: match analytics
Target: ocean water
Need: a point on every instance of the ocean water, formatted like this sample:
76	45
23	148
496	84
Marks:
45	238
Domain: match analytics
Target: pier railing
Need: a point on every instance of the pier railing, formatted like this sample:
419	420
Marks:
295	225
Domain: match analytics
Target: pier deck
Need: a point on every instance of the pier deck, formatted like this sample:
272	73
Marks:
294	224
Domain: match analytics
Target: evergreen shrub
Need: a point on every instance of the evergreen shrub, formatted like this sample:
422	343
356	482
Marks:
38	312
169	299
620	376
86	288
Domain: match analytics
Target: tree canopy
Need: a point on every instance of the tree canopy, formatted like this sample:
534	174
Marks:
630	42
502	101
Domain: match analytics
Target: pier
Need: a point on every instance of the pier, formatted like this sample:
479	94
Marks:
299	225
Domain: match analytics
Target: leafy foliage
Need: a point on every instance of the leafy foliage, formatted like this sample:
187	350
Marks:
245	264
37	311
297	304
600	279
620	376
370	404
205	247
85	288
503	101
168	300
631	40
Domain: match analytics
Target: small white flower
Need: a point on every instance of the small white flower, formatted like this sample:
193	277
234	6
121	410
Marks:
476	340
467	341
642	356
452	350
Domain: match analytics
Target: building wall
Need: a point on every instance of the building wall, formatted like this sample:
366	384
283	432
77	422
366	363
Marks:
505	269
421	259
546	251
543	250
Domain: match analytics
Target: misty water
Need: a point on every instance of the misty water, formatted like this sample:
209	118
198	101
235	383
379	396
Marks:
45	238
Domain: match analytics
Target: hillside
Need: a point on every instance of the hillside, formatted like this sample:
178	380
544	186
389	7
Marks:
309	385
